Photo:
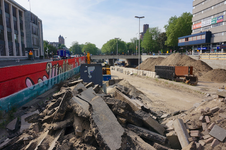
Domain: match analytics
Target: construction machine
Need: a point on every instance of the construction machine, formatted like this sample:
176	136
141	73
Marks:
177	73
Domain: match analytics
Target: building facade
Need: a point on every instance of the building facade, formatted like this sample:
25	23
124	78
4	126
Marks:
19	29
209	27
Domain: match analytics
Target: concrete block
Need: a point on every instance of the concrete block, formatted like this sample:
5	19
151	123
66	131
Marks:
181	132
218	132
107	131
150	122
12	125
119	95
87	95
202	111
215	109
207	118
214	143
211	126
24	124
173	140
206	137
78	88
146	134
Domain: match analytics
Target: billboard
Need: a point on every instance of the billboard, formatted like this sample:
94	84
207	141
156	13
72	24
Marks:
214	20
206	22
197	25
220	19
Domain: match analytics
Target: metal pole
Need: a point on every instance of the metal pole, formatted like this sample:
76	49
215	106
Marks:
139	48
117	49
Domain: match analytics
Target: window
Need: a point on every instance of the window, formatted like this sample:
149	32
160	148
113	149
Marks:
15	25
2	35
186	39
14	11
9	36
16	38
190	39
6	7
8	21
194	38
198	37
203	36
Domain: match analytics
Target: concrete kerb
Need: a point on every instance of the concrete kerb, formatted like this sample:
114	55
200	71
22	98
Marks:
129	71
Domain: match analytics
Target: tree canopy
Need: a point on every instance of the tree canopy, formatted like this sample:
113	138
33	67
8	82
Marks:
150	43
177	27
76	48
91	48
111	47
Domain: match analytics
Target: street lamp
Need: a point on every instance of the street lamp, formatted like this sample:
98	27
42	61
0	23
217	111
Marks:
139	42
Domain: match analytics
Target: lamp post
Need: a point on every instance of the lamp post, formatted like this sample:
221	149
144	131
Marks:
139	42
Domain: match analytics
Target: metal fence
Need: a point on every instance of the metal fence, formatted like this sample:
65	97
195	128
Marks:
214	56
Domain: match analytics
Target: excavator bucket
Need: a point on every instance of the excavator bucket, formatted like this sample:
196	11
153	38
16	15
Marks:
192	80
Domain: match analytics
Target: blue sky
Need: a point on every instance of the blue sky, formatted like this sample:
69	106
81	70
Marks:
98	21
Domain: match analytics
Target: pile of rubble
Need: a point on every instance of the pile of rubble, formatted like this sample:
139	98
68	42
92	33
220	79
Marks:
80	116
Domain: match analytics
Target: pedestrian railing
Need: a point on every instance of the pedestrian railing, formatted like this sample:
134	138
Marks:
214	56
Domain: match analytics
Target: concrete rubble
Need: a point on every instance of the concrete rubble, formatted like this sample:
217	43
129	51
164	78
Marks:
81	116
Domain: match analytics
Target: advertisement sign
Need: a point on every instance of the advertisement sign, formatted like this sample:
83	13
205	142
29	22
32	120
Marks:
220	19
197	25
206	22
203	48
214	20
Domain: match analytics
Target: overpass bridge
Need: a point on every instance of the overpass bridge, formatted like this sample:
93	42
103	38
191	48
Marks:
130	59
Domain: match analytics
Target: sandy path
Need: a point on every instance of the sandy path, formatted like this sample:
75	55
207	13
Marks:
165	99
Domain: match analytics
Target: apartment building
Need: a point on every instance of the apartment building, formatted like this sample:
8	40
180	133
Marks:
209	27
19	30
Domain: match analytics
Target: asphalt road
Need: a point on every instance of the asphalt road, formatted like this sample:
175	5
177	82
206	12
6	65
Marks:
8	63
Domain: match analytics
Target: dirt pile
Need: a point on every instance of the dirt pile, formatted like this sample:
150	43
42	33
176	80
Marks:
80	116
215	75
200	68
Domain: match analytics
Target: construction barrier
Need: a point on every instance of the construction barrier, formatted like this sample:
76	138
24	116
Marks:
213	56
23	83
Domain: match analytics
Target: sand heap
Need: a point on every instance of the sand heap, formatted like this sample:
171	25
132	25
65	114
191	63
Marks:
201	69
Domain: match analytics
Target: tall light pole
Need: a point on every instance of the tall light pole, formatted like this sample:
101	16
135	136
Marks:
139	42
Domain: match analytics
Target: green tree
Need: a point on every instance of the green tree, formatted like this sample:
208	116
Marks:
91	48
161	41
149	42
52	50
61	46
178	27
76	48
110	47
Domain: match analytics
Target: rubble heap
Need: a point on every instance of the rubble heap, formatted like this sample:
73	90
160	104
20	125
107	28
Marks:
80	116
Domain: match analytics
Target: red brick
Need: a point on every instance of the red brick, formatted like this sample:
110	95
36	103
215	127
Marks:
207	119
211	126
214	143
194	133
209	140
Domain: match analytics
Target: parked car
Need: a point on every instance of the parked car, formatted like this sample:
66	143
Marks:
56	57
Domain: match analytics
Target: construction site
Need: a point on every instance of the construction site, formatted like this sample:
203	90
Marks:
170	103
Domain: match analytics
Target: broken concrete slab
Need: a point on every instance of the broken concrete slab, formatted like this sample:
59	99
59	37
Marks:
173	140
119	95
214	143
191	146
12	125
78	88
107	131
150	122
211	126
207	118
90	84
218	132
215	109
146	134
161	147
209	140
182	133
75	82
87	95
24	124
80	107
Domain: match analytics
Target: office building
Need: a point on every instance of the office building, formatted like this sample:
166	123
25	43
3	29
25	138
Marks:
19	29
209	27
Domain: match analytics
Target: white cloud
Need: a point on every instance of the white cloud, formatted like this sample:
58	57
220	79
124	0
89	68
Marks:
98	21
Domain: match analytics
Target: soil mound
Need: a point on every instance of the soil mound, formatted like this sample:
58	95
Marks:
215	75
171	60
150	63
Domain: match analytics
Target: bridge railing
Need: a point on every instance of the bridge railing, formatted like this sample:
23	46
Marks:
213	56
